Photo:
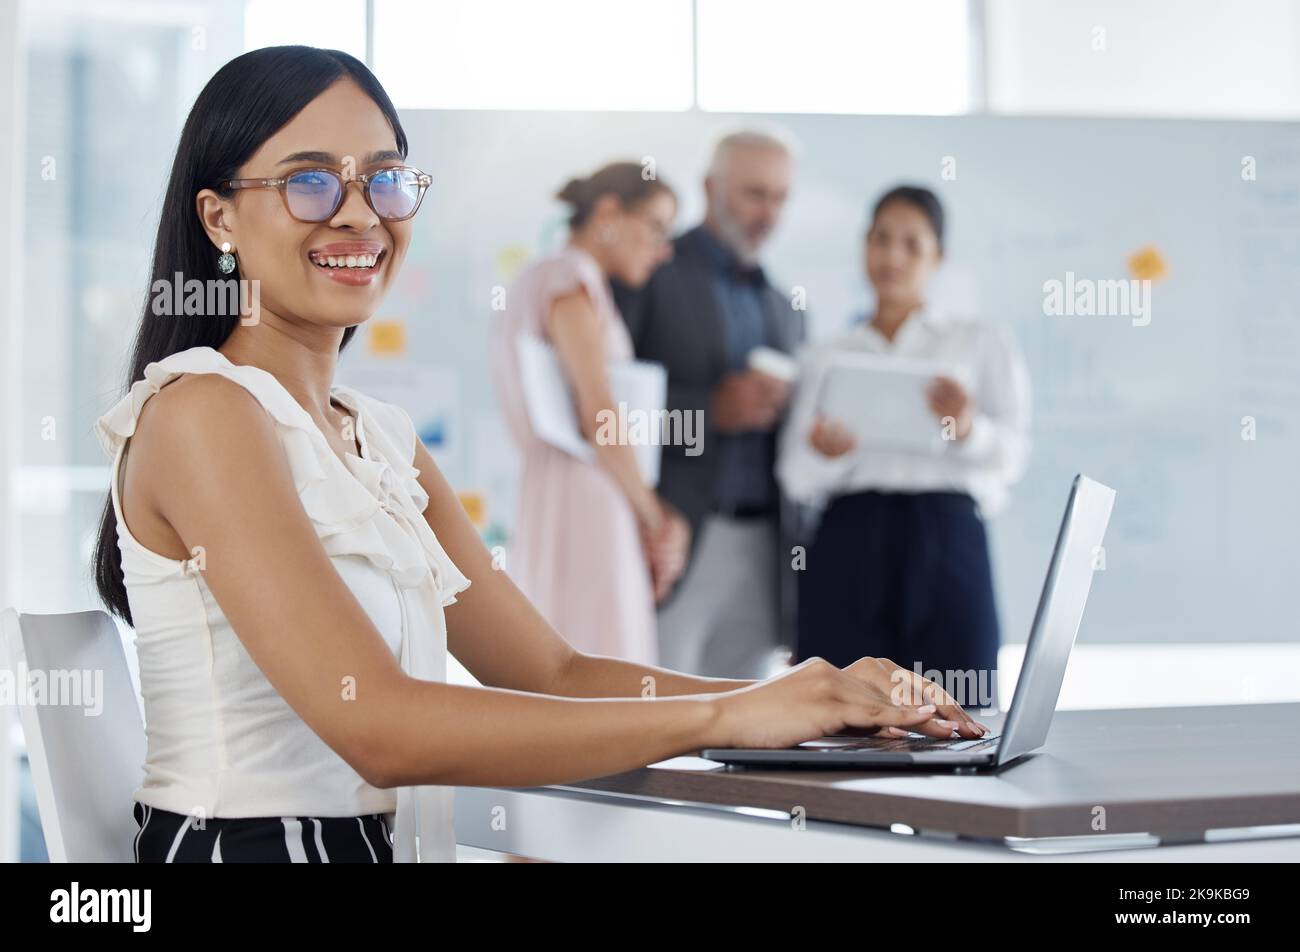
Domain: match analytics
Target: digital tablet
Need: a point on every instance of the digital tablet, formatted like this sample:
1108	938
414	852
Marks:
884	401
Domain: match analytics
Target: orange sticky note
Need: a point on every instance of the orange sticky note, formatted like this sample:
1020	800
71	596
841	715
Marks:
475	506
1148	264
387	338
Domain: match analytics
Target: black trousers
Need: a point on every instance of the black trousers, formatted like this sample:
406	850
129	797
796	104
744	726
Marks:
166	837
905	576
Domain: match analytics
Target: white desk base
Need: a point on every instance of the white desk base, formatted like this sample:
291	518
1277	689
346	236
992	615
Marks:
566	825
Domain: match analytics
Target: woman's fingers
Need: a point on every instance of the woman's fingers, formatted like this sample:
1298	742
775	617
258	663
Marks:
866	706
830	437
840	437
889	715
908	687
939	727
869	704
889	732
931	692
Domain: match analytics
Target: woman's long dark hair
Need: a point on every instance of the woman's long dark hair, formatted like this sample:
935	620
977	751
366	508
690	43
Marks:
249	99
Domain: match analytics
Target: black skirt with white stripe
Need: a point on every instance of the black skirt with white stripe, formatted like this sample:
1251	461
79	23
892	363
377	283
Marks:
166	837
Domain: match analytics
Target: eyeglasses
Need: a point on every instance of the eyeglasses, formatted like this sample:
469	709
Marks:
314	195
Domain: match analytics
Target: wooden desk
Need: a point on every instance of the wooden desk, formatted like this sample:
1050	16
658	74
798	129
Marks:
1222	781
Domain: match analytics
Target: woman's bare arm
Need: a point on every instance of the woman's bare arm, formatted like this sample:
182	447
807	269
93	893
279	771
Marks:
505	642
575	330
218	475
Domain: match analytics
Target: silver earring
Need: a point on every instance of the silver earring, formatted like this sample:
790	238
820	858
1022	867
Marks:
226	263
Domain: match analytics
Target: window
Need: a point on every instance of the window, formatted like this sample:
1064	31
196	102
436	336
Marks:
107	87
1177	58
521	54
332	24
836	56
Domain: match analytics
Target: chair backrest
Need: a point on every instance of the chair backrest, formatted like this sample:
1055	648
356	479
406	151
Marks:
85	765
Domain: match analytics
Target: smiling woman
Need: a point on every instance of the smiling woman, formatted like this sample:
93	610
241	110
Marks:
312	294
221	138
295	566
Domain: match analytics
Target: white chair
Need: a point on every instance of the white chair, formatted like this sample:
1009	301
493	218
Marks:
84	768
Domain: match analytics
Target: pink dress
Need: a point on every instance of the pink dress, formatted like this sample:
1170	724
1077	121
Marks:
576	551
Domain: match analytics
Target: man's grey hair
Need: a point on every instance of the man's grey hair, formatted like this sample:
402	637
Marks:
771	139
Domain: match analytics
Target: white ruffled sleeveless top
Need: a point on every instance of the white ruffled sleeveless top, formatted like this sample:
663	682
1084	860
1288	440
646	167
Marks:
221	739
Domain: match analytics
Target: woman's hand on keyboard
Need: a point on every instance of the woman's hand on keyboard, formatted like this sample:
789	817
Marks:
909	688
814	699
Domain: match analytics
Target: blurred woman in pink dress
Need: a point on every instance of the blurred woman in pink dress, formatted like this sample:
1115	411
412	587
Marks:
593	547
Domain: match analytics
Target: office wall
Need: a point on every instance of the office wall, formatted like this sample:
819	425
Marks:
103	106
11	111
1203	540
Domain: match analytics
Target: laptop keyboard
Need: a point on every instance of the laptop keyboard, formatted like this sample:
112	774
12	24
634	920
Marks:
925	743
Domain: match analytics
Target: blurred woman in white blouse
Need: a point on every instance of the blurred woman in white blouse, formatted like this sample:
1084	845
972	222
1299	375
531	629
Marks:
899	566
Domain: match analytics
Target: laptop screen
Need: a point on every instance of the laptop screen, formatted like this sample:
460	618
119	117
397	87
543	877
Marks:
1060	612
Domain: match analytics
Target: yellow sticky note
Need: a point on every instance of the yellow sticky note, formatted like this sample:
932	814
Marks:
475	506
1148	264
387	338
511	260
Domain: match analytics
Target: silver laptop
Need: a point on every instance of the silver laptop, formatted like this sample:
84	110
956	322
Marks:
1060	611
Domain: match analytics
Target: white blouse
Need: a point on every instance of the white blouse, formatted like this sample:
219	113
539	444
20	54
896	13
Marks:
985	464
222	742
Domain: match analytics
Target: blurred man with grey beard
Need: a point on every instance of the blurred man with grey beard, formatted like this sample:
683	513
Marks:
701	316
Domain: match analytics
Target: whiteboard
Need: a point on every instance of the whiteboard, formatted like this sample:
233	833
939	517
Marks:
1205	540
